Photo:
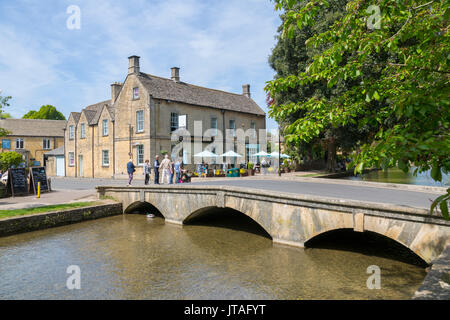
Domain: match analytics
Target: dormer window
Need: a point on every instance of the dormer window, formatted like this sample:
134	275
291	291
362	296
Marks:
135	93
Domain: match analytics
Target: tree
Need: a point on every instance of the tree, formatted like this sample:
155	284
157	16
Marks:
5	115
45	112
8	159
291	56
3	103
400	73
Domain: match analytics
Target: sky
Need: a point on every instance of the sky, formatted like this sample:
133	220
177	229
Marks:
46	59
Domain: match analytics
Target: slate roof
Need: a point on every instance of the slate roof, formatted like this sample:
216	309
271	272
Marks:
76	116
56	152
167	89
162	88
34	127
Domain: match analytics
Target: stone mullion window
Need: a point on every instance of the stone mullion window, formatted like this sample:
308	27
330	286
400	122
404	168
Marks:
105	127
46	144
83	131
105	158
140	121
140	154
173	121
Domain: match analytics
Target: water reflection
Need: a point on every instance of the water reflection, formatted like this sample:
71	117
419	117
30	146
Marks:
132	257
394	175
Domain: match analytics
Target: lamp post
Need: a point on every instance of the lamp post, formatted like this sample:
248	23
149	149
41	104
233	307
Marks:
279	150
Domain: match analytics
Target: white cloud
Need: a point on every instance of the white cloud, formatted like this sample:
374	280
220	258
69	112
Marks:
218	44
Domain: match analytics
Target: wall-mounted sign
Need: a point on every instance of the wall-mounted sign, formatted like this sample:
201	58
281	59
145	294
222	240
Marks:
182	121
6	144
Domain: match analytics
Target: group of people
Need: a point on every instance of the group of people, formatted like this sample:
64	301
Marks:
168	168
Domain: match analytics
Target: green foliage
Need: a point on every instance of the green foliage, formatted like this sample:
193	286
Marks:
399	80
8	159
5	115
45	112
250	165
443	205
164	152
3	103
292	56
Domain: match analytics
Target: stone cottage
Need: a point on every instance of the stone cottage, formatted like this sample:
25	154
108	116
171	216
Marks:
143	112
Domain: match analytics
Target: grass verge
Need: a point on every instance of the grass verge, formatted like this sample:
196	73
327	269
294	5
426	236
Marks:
54	207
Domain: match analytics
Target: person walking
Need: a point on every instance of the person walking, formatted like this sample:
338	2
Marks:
131	168
177	169
147	171
264	166
165	167
156	169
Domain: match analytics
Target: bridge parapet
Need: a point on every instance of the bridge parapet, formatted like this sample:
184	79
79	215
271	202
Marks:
293	219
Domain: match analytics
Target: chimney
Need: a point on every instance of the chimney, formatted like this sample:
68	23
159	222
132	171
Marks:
133	64
176	74
116	87
246	90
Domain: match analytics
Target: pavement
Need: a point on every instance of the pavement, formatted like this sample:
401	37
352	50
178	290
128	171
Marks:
66	190
48	198
405	195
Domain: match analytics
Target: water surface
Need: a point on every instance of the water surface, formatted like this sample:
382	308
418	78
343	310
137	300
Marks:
133	257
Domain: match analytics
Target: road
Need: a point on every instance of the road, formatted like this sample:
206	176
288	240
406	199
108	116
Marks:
341	191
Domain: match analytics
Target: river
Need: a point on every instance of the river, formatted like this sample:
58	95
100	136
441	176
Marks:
134	257
394	175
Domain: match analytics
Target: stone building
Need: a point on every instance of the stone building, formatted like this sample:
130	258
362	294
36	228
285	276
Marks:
141	116
32	138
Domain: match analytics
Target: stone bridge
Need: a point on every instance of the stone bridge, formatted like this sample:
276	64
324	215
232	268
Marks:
289	218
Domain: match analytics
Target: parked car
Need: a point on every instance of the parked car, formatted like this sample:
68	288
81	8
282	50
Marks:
4	178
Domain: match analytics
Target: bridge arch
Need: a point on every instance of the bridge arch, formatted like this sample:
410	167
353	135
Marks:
366	242
143	207
218	217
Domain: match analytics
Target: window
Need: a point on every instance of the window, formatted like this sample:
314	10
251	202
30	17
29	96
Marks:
71	133
19	143
105	127
46	143
140	154
233	127
105	158
135	93
71	159
253	127
83	131
140	120
214	126
173	121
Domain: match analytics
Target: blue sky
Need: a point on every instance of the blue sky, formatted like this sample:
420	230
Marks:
219	44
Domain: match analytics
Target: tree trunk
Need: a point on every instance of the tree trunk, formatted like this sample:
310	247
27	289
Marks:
331	160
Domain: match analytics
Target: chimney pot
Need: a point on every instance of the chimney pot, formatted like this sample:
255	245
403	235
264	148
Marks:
116	87
175	74
133	65
246	90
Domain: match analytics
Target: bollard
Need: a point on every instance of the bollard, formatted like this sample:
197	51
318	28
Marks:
39	189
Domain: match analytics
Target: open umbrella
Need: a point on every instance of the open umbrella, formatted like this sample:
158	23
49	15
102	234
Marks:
231	154
262	154
275	155
206	154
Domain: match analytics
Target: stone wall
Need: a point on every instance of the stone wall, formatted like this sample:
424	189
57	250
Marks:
58	218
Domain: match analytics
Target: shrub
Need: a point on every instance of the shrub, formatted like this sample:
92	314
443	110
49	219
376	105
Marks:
8	159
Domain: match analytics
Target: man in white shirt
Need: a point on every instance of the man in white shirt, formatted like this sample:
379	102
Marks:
165	167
